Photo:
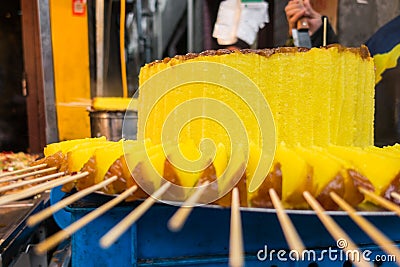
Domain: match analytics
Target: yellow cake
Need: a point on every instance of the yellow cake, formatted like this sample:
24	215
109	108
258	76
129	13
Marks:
66	146
297	177
319	96
318	170
379	167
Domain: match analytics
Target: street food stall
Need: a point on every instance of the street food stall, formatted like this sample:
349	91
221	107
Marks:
143	155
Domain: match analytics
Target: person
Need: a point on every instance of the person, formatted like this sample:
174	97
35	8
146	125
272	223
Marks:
384	46
296	10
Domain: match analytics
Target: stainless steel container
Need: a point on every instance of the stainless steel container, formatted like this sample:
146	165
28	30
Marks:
114	125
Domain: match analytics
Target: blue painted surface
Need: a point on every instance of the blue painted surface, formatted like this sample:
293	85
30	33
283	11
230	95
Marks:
204	240
62	217
86	250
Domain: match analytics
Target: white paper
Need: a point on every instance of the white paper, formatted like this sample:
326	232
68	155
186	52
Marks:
253	17
225	28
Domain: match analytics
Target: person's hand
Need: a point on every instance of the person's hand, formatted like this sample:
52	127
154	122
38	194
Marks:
295	10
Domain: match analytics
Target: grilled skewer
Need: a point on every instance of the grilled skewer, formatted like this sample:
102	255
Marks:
31	181
179	218
236	255
333	228
388	246
292	237
40	188
387	204
21	176
40	216
5	174
395	195
71	229
108	239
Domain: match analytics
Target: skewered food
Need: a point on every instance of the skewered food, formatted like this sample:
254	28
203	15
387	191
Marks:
317	171
345	120
10	161
295	169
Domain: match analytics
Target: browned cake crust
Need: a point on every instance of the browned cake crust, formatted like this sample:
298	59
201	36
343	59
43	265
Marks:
266	52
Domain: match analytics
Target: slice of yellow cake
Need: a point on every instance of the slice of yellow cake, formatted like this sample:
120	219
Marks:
297	177
324	168
65	146
78	155
319	96
188	153
378	168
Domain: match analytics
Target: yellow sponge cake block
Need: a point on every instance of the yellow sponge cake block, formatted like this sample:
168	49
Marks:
318	97
347	124
321	92
65	146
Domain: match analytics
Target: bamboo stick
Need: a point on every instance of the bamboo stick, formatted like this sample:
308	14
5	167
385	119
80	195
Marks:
44	214
40	188
236	258
31	181
109	238
334	229
292	237
381	201
179	218
6	174
16	177
395	195
386	244
53	240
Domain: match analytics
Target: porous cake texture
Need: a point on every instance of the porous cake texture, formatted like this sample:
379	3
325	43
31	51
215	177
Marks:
317	96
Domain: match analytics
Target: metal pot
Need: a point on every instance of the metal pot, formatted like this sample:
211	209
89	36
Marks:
114	125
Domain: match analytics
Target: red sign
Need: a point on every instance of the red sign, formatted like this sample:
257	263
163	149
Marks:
78	7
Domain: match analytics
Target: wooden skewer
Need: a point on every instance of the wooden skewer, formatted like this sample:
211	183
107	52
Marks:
32	181
236	257
53	240
381	201
334	229
40	216
6	174
395	195
178	220
40	188
386	244
109	238
325	26
13	178
292	237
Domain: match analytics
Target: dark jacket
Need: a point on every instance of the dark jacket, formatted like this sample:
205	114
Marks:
317	37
